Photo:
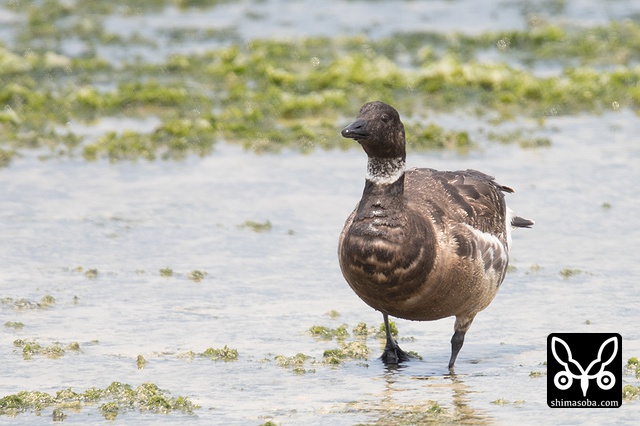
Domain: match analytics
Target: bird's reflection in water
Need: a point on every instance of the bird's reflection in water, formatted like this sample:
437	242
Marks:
426	399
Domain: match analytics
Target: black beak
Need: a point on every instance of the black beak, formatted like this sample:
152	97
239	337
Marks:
356	130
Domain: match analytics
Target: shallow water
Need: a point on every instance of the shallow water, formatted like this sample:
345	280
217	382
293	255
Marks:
263	291
253	19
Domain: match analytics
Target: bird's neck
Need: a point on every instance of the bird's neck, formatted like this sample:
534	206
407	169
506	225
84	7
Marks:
384	171
383	194
381	201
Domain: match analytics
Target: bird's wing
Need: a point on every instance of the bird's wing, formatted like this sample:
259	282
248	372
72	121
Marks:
465	196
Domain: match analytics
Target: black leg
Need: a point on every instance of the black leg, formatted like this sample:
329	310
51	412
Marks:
456	344
459	330
392	353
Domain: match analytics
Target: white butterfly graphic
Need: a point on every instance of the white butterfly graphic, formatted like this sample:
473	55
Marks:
564	379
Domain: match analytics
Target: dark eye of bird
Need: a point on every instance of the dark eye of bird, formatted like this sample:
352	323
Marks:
384	117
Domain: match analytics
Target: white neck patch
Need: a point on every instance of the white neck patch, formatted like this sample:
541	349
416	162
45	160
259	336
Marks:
384	170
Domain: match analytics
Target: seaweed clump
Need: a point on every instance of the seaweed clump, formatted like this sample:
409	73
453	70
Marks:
117	398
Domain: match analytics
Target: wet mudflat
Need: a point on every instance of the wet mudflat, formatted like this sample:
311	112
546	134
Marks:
157	271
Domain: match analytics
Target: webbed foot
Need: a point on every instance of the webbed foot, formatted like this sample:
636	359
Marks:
394	355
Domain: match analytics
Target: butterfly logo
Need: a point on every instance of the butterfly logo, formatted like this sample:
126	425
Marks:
564	379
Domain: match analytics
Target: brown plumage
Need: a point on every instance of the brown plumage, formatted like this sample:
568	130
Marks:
422	244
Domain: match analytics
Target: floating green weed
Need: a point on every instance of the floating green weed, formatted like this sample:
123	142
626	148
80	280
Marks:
23	304
519	137
91	273
196	275
630	392
141	363
357	348
427	413
392	327
119	398
321	331
256	226
296	94
535	268
633	365
567	273
223	354
296	363
166	272
327	333
56	350
502	401
47	301
435	408
346	351
333	314
58	415
16	325
361	329
415	355
25	401
435	137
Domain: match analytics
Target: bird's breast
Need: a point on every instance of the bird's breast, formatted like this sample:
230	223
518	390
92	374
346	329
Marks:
386	256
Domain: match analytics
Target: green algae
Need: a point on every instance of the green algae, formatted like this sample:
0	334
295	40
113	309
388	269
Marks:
502	401
74	346
58	415
630	392
91	273
346	351
23	304
333	314
118	399
435	137
633	366
327	333
141	362
362	330
269	95
16	325
196	275
296	363
519	137
47	301
567	273
427	413
256	226
382	332
222	354
56	350
166	272
356	348
225	354
145	398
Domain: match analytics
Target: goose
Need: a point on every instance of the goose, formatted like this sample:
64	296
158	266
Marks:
422	244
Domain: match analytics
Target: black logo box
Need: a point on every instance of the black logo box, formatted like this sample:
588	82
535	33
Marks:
584	370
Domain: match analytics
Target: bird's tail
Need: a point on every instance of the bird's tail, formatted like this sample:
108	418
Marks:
521	222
